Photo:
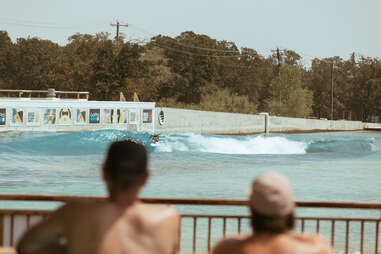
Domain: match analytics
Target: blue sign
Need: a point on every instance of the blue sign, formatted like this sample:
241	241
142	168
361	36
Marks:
2	116
94	115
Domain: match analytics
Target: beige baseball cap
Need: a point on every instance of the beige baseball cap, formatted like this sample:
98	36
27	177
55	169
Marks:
271	195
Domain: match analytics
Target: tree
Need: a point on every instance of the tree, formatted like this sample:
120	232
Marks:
367	89
104	82
80	54
33	59
195	71
157	81
6	59
128	68
289	98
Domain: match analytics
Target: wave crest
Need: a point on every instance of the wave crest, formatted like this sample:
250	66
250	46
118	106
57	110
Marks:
230	145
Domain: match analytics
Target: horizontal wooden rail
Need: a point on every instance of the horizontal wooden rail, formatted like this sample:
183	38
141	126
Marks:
37	93
197	231
188	201
40	91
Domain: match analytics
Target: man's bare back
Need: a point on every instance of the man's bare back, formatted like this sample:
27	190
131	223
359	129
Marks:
104	227
272	219
274	244
119	225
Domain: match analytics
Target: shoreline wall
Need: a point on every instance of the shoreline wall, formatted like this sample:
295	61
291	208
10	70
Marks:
289	124
207	122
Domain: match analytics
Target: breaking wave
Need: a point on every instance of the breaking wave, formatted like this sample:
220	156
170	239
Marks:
96	142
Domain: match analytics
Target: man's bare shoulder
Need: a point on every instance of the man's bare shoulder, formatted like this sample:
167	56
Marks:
310	238
315	240
282	243
155	209
308	243
230	244
75	207
138	210
154	213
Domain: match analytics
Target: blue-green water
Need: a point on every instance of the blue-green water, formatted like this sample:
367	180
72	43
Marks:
322	167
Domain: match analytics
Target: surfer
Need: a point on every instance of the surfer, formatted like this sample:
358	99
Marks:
155	138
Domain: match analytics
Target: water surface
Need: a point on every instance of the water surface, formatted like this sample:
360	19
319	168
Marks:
321	166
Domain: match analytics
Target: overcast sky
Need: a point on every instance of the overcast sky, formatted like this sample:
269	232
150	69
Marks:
313	28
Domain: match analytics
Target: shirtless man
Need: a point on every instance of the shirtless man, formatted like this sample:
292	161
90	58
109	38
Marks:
272	218
155	138
121	224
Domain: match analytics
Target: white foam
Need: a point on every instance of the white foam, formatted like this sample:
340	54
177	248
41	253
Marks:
231	145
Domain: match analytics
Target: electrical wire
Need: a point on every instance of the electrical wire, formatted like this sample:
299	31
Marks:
304	57
191	53
142	41
39	24
185	45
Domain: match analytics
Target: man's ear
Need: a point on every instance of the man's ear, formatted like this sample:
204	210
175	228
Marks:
146	176
104	173
252	211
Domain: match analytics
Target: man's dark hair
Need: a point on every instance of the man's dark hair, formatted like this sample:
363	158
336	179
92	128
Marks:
271	224
126	163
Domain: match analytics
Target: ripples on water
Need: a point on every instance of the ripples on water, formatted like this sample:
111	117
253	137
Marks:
322	167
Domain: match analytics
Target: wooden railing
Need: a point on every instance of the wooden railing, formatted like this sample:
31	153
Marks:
354	227
43	93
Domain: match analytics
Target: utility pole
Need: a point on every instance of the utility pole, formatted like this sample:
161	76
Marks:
332	90
279	64
117	30
279	57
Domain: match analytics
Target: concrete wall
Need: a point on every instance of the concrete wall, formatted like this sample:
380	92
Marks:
195	121
284	124
205	122
372	126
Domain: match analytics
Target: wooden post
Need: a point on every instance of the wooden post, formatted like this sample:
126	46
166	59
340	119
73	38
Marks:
332	91
1	230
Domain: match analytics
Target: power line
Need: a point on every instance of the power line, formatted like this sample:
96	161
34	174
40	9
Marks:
201	48
190	53
38	26
186	45
53	25
50	25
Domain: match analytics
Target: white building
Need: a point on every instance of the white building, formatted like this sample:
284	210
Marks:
58	114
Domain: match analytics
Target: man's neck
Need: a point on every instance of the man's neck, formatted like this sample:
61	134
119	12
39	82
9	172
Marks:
269	235
124	198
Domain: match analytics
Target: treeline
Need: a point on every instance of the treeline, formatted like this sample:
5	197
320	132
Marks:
195	71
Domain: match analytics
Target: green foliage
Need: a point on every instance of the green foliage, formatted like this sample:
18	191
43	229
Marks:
195	71
289	98
216	99
223	100
6	50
